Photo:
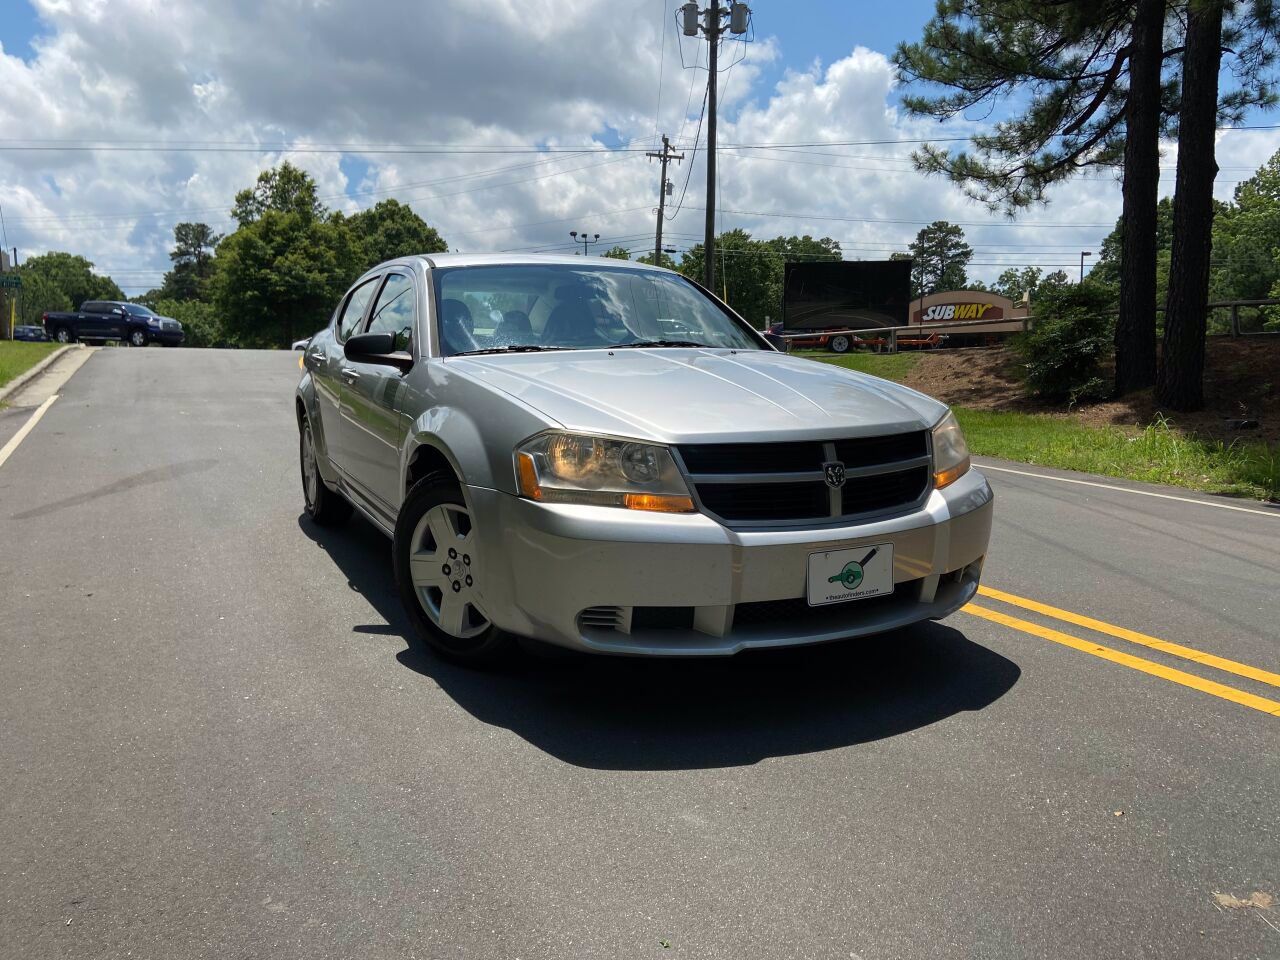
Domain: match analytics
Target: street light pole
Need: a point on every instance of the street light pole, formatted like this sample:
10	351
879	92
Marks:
585	239
1083	254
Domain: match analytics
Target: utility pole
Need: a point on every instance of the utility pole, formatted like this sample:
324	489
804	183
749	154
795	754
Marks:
664	187
709	238
712	27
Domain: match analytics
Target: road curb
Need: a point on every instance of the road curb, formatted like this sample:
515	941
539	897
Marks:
20	381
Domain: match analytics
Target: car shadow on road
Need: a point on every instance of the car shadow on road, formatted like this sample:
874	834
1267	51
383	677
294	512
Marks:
630	714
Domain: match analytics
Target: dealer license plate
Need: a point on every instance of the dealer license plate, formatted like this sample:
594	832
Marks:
852	574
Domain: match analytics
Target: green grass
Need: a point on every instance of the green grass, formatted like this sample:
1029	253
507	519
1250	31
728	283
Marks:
890	366
17	357
1159	454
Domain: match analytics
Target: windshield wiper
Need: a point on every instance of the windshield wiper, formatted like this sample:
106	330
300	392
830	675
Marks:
659	343
513	348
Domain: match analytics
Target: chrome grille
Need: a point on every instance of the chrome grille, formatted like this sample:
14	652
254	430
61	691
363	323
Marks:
785	482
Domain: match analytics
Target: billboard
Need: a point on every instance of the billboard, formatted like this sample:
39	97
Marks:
846	294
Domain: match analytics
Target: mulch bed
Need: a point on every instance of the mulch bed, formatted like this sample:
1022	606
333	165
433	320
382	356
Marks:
1242	382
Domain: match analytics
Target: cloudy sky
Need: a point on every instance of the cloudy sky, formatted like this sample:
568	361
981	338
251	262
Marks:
444	104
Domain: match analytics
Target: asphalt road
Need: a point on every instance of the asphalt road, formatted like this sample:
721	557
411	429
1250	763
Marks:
215	742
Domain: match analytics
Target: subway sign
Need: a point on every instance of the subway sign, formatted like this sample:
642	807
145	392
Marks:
961	311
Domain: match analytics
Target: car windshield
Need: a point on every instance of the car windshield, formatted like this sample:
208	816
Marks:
138	310
526	307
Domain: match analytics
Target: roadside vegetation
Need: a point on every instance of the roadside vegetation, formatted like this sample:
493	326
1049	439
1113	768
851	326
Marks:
1159	453
17	357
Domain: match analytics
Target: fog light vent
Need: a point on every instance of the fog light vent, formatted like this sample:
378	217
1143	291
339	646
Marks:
606	618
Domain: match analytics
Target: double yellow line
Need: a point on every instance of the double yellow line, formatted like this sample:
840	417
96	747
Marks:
1262	704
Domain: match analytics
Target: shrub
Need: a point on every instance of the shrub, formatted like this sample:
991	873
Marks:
199	321
1070	338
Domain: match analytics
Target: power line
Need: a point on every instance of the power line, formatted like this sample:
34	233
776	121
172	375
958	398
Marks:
961	223
247	146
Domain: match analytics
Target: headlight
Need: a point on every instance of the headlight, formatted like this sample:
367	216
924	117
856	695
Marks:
950	452
153	321
577	468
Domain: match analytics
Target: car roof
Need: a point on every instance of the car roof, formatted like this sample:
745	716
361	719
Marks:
538	259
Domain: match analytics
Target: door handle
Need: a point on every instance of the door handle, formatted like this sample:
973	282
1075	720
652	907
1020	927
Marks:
350	376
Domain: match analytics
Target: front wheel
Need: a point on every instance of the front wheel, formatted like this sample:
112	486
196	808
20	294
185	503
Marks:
138	338
326	507
840	344
439	575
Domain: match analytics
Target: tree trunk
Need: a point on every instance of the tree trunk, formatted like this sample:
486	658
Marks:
1181	383
1136	326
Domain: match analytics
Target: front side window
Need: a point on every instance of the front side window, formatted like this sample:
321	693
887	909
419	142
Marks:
393	313
353	312
570	307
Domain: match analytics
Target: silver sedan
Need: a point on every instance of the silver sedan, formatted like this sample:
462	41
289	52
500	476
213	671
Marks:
602	455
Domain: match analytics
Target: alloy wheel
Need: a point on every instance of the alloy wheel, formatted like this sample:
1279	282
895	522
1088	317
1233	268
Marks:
442	564
310	472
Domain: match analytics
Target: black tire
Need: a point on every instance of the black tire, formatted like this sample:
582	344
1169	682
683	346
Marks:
326	507
840	343
136	338
64	335
490	647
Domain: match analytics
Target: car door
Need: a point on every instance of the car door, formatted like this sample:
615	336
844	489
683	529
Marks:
373	428
325	359
115	321
92	321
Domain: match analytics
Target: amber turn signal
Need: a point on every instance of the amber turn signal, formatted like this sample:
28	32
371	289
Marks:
657	502
944	478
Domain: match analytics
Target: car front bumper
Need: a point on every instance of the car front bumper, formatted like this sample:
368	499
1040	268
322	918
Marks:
625	582
170	338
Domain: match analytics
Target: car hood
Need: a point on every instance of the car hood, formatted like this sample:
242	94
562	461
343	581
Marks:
681	395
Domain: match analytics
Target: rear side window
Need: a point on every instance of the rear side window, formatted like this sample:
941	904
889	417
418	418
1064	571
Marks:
393	312
93	306
354	309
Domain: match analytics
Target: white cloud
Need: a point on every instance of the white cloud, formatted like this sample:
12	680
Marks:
324	72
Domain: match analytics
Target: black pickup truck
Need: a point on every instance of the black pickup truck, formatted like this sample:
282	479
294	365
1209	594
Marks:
113	320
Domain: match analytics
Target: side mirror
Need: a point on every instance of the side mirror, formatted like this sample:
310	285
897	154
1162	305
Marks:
377	348
778	343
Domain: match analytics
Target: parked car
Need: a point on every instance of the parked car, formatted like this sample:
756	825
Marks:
30	333
100	320
600	455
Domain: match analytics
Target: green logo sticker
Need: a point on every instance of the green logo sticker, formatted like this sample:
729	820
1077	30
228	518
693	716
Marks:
850	576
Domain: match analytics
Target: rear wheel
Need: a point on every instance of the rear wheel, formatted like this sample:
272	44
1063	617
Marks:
840	344
63	335
438	572
326	507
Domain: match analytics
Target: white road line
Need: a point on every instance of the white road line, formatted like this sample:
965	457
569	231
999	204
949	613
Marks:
1274	515
26	428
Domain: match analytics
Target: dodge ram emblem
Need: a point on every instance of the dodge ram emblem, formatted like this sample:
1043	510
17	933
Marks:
834	473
